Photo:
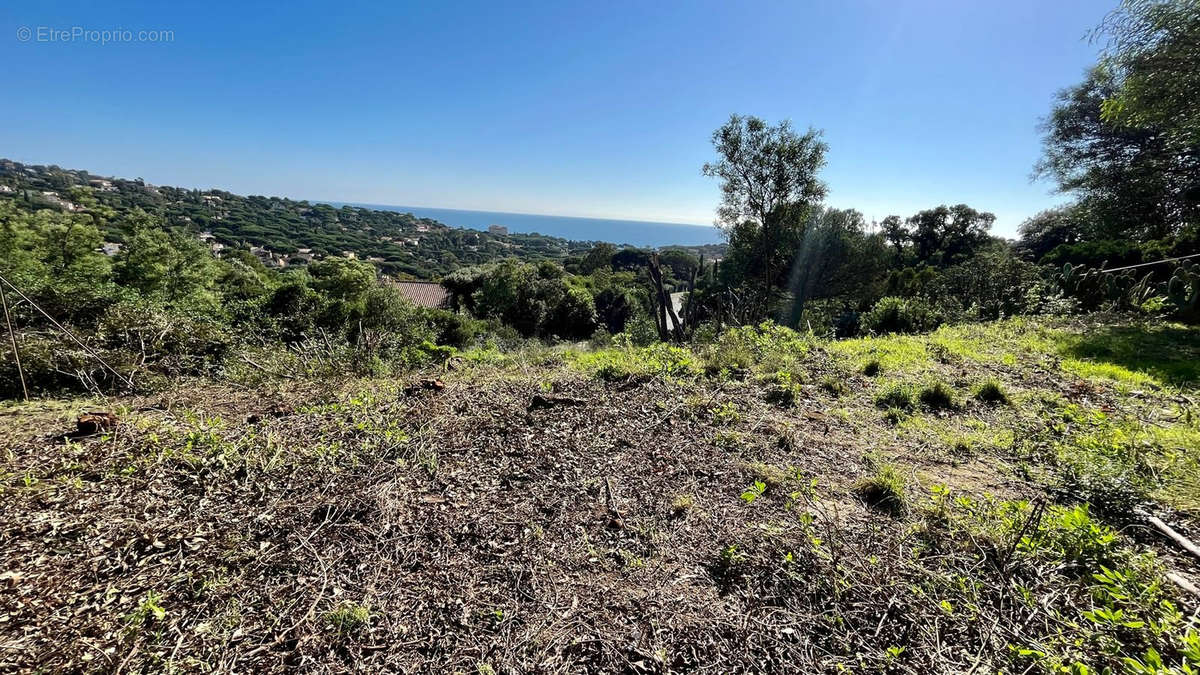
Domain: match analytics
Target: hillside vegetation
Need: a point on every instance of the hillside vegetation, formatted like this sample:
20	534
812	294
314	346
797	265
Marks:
973	499
399	244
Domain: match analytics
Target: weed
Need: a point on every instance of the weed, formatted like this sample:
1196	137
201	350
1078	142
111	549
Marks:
726	414
1108	468
772	477
963	447
727	361
753	492
786	438
149	609
729	563
682	504
835	386
729	440
783	388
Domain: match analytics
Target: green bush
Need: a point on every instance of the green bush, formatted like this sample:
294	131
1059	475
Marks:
900	315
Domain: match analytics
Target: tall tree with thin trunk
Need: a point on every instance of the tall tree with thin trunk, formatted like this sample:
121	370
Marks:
769	180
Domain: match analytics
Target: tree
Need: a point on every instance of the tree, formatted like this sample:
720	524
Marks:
174	266
599	257
1152	52
825	265
1050	229
614	307
896	233
768	181
679	262
1132	179
630	259
949	234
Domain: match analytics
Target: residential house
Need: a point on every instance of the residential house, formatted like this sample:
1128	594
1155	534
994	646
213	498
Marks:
424	293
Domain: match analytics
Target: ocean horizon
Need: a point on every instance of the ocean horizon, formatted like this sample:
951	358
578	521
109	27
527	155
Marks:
632	232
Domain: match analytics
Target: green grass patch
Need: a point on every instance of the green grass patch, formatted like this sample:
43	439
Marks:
894	353
1167	354
895	395
991	391
937	395
622	362
884	490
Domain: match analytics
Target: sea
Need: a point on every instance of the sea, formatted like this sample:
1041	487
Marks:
632	232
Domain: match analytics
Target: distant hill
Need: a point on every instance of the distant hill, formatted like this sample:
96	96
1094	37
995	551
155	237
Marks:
399	244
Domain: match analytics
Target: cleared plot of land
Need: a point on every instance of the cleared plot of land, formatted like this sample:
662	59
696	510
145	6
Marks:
767	502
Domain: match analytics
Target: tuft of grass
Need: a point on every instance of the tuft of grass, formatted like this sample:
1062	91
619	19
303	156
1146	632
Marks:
884	490
729	440
937	395
348	617
783	388
895	415
773	477
963	447
991	391
872	368
835	386
682	504
895	395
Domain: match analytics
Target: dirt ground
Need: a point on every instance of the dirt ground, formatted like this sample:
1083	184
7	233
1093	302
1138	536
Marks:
538	521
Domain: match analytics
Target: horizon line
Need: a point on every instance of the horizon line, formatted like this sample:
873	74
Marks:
623	219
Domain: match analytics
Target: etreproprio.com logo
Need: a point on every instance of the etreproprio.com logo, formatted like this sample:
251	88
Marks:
102	36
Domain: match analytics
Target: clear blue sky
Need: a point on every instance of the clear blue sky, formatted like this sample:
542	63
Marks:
574	108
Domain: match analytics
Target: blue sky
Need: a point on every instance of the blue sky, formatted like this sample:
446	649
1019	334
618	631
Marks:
598	109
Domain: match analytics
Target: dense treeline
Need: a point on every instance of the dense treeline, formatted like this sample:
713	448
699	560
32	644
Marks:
165	304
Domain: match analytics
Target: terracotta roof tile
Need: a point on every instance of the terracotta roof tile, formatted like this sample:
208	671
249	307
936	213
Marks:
424	293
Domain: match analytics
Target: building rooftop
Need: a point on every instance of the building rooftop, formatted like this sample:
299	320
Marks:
424	293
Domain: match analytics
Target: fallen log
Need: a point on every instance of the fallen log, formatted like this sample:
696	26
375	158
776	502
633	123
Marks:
1167	530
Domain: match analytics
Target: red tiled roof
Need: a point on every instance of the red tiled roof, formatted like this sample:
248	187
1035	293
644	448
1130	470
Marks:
424	293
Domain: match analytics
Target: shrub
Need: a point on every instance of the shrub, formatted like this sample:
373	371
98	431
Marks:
900	315
728	359
454	330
